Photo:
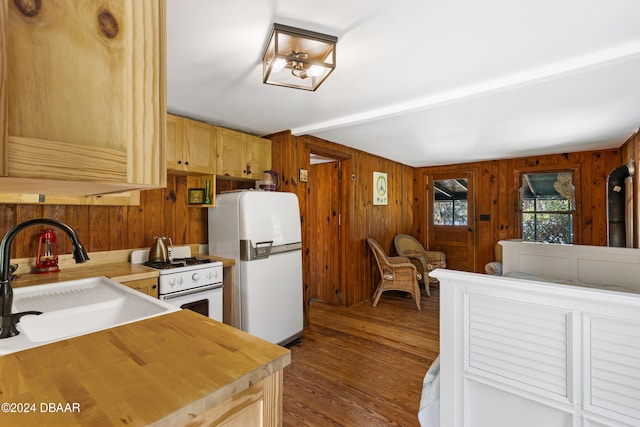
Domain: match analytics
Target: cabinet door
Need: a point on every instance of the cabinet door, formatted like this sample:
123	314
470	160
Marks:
231	153
175	137
146	286
199	147
258	156
86	89
258	405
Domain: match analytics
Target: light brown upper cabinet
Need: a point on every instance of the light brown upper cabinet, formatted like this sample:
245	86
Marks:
242	155
191	146
84	106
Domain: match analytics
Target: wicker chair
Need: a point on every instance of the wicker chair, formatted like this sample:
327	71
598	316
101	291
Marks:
396	273
425	261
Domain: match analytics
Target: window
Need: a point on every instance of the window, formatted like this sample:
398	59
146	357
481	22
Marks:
450	204
547	203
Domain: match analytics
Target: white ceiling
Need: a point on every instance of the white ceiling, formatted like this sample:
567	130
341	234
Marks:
421	82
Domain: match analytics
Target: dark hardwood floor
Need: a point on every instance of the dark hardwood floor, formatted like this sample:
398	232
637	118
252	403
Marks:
362	366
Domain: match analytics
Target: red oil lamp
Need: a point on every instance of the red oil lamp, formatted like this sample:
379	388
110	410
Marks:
47	258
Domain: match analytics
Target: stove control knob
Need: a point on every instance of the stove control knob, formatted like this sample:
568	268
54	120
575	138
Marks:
195	277
172	281
215	273
180	280
209	275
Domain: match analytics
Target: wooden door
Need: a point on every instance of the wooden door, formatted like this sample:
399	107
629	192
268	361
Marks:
324	232
451	219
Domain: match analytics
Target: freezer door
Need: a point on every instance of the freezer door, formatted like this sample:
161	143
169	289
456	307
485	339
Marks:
269	216
272	297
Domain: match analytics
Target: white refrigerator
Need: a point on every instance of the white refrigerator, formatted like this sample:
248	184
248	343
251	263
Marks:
261	231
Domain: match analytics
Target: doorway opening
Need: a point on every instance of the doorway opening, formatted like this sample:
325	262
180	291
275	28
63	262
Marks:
326	226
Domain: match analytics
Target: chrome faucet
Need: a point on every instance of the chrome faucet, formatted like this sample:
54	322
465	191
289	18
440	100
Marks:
9	319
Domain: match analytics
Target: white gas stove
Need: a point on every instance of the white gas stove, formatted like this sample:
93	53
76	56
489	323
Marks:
186	281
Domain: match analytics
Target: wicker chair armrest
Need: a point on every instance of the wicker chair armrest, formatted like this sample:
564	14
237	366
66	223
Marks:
420	262
435	256
433	265
402	272
400	261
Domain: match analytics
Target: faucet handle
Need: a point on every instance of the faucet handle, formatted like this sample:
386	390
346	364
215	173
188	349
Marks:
18	316
12	269
9	322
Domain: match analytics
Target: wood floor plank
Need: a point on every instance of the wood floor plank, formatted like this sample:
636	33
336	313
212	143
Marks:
363	365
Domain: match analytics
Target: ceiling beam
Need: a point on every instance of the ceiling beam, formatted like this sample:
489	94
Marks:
532	76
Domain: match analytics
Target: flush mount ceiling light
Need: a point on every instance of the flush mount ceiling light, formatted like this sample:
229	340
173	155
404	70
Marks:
298	58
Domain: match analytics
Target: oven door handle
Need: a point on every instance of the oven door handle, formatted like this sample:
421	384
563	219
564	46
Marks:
189	292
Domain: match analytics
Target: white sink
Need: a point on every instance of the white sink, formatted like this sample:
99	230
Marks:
77	307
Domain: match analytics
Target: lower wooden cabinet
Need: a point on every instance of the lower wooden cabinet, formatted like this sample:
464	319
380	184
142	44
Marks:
146	286
259	405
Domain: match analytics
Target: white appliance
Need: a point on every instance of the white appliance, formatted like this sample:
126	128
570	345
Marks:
261	231
191	283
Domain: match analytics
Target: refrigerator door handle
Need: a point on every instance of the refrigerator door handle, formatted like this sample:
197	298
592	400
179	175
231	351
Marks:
249	252
289	247
261	250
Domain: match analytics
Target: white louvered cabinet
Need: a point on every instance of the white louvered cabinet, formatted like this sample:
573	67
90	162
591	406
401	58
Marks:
612	350
529	354
505	344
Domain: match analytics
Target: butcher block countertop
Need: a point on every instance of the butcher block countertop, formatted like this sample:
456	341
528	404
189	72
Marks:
162	371
119	271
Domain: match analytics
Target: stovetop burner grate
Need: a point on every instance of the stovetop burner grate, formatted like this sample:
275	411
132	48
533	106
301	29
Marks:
177	262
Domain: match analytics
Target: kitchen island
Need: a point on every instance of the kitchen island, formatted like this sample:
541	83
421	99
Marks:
552	342
176	369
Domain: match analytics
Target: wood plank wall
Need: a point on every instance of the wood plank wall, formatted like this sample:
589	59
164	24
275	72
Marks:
497	184
165	211
497	189
104	228
360	218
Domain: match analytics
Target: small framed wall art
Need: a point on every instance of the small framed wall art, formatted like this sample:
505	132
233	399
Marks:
196	196
379	188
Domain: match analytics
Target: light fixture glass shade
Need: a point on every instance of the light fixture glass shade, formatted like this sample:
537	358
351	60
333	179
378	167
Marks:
298	58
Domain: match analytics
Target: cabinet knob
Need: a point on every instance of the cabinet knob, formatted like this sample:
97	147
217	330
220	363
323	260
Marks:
186	163
179	162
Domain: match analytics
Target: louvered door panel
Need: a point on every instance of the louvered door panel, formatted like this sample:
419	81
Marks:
614	365
524	345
